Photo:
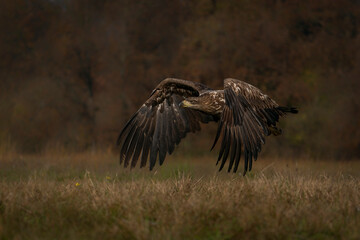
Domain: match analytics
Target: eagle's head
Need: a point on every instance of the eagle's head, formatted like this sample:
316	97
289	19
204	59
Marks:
191	103
204	103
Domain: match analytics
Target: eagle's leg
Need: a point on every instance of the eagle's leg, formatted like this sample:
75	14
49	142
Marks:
274	130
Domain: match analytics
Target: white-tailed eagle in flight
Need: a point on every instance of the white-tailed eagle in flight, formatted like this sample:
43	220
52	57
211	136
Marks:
244	114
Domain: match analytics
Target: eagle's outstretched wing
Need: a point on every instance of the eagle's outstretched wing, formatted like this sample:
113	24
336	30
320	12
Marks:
245	119
160	123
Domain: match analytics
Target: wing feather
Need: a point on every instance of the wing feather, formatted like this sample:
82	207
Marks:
223	144
234	149
160	124
137	151
145	151
238	153
240	124
131	147
126	143
227	148
244	122
155	141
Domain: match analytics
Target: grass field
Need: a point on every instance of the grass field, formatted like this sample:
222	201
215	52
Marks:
88	196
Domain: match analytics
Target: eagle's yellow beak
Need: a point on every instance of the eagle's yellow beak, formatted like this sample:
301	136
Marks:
185	104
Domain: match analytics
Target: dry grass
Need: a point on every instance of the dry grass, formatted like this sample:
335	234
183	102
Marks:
88	196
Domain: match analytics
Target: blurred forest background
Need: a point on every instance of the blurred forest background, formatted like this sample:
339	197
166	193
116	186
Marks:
72	72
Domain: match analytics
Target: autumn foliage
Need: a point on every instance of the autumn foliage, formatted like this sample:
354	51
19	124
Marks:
73	72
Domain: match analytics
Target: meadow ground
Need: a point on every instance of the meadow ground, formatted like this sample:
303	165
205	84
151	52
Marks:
88	196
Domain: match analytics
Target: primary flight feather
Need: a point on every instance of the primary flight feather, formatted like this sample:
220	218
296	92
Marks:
245	116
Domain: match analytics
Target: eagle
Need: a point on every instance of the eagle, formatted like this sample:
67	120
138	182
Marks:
244	114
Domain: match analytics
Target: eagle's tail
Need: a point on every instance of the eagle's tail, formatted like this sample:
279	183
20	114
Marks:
272	129
288	109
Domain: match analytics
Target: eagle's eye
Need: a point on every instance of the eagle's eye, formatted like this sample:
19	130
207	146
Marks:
192	100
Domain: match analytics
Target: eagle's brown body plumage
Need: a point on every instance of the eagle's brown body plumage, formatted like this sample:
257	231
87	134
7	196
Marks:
176	107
